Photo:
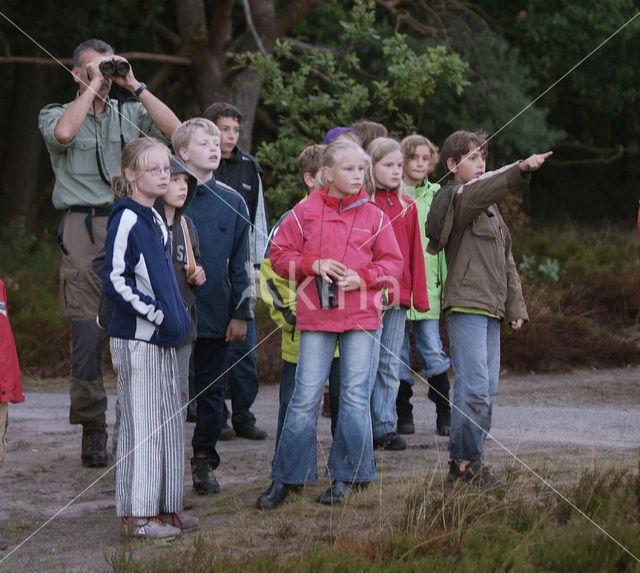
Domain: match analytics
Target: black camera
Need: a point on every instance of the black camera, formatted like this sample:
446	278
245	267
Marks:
326	294
115	67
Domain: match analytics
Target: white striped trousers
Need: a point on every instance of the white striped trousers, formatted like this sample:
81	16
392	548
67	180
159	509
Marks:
150	454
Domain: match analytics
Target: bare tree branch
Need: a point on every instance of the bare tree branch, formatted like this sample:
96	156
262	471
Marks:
252	28
132	56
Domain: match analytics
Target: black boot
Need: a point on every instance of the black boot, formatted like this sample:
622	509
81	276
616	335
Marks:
404	409
275	495
94	446
439	394
202	485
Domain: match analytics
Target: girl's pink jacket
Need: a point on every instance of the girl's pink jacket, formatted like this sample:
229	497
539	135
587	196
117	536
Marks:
10	380
353	231
413	285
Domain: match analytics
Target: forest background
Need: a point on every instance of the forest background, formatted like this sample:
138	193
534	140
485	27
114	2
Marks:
534	74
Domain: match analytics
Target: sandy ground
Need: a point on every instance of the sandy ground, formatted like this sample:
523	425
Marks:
60	516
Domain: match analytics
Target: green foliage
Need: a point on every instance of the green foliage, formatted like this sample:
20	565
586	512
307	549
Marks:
311	90
547	270
29	268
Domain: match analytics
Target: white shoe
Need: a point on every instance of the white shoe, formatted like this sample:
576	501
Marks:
182	521
149	528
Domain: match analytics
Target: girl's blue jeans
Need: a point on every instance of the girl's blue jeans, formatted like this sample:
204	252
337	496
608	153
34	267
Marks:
351	455
433	359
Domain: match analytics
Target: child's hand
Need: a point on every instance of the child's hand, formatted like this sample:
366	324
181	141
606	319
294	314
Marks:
237	330
516	324
198	277
329	269
350	281
534	162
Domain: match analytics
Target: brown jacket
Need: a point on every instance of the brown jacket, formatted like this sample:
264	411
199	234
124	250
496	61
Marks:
481	271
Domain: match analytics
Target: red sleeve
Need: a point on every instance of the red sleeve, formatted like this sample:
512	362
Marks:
420	297
385	267
286	252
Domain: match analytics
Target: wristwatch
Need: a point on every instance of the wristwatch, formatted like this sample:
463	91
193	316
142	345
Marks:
142	87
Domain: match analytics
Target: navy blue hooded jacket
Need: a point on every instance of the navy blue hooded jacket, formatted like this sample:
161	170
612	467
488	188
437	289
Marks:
138	277
222	220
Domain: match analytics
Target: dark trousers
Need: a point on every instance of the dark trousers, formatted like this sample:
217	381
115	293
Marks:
210	361
243	378
88	402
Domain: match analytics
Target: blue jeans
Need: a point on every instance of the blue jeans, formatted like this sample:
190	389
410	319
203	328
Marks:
433	359
385	387
243	377
351	456
475	355
288	383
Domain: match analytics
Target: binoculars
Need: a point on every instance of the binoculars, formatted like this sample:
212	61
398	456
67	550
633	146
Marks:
115	67
326	294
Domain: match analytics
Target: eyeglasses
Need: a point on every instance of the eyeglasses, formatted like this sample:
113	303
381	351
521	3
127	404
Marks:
155	171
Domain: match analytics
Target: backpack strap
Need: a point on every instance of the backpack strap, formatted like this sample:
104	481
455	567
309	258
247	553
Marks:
191	260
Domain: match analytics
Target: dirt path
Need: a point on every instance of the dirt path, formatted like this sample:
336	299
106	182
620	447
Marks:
558	423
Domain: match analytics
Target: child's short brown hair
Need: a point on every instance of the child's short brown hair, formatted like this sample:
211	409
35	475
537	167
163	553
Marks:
460	143
310	160
410	143
369	130
184	132
222	109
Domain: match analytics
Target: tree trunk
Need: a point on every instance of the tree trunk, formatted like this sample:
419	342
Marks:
24	146
214	57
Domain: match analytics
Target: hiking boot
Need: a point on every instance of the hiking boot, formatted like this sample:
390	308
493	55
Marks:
182	521
404	409
390	441
227	432
474	473
148	528
94	446
439	394
202	485
251	432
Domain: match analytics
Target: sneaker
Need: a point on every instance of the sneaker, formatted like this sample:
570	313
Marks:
390	441
182	521
475	473
94	446
148	528
250	432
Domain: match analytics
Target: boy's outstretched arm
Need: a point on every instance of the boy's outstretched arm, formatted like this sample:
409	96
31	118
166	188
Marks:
534	162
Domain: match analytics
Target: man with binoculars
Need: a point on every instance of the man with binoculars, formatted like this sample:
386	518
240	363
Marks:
85	139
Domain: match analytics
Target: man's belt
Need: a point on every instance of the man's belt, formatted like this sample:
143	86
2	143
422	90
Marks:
90	212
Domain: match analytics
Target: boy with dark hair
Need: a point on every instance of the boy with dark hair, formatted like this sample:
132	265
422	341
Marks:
225	301
482	289
241	172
